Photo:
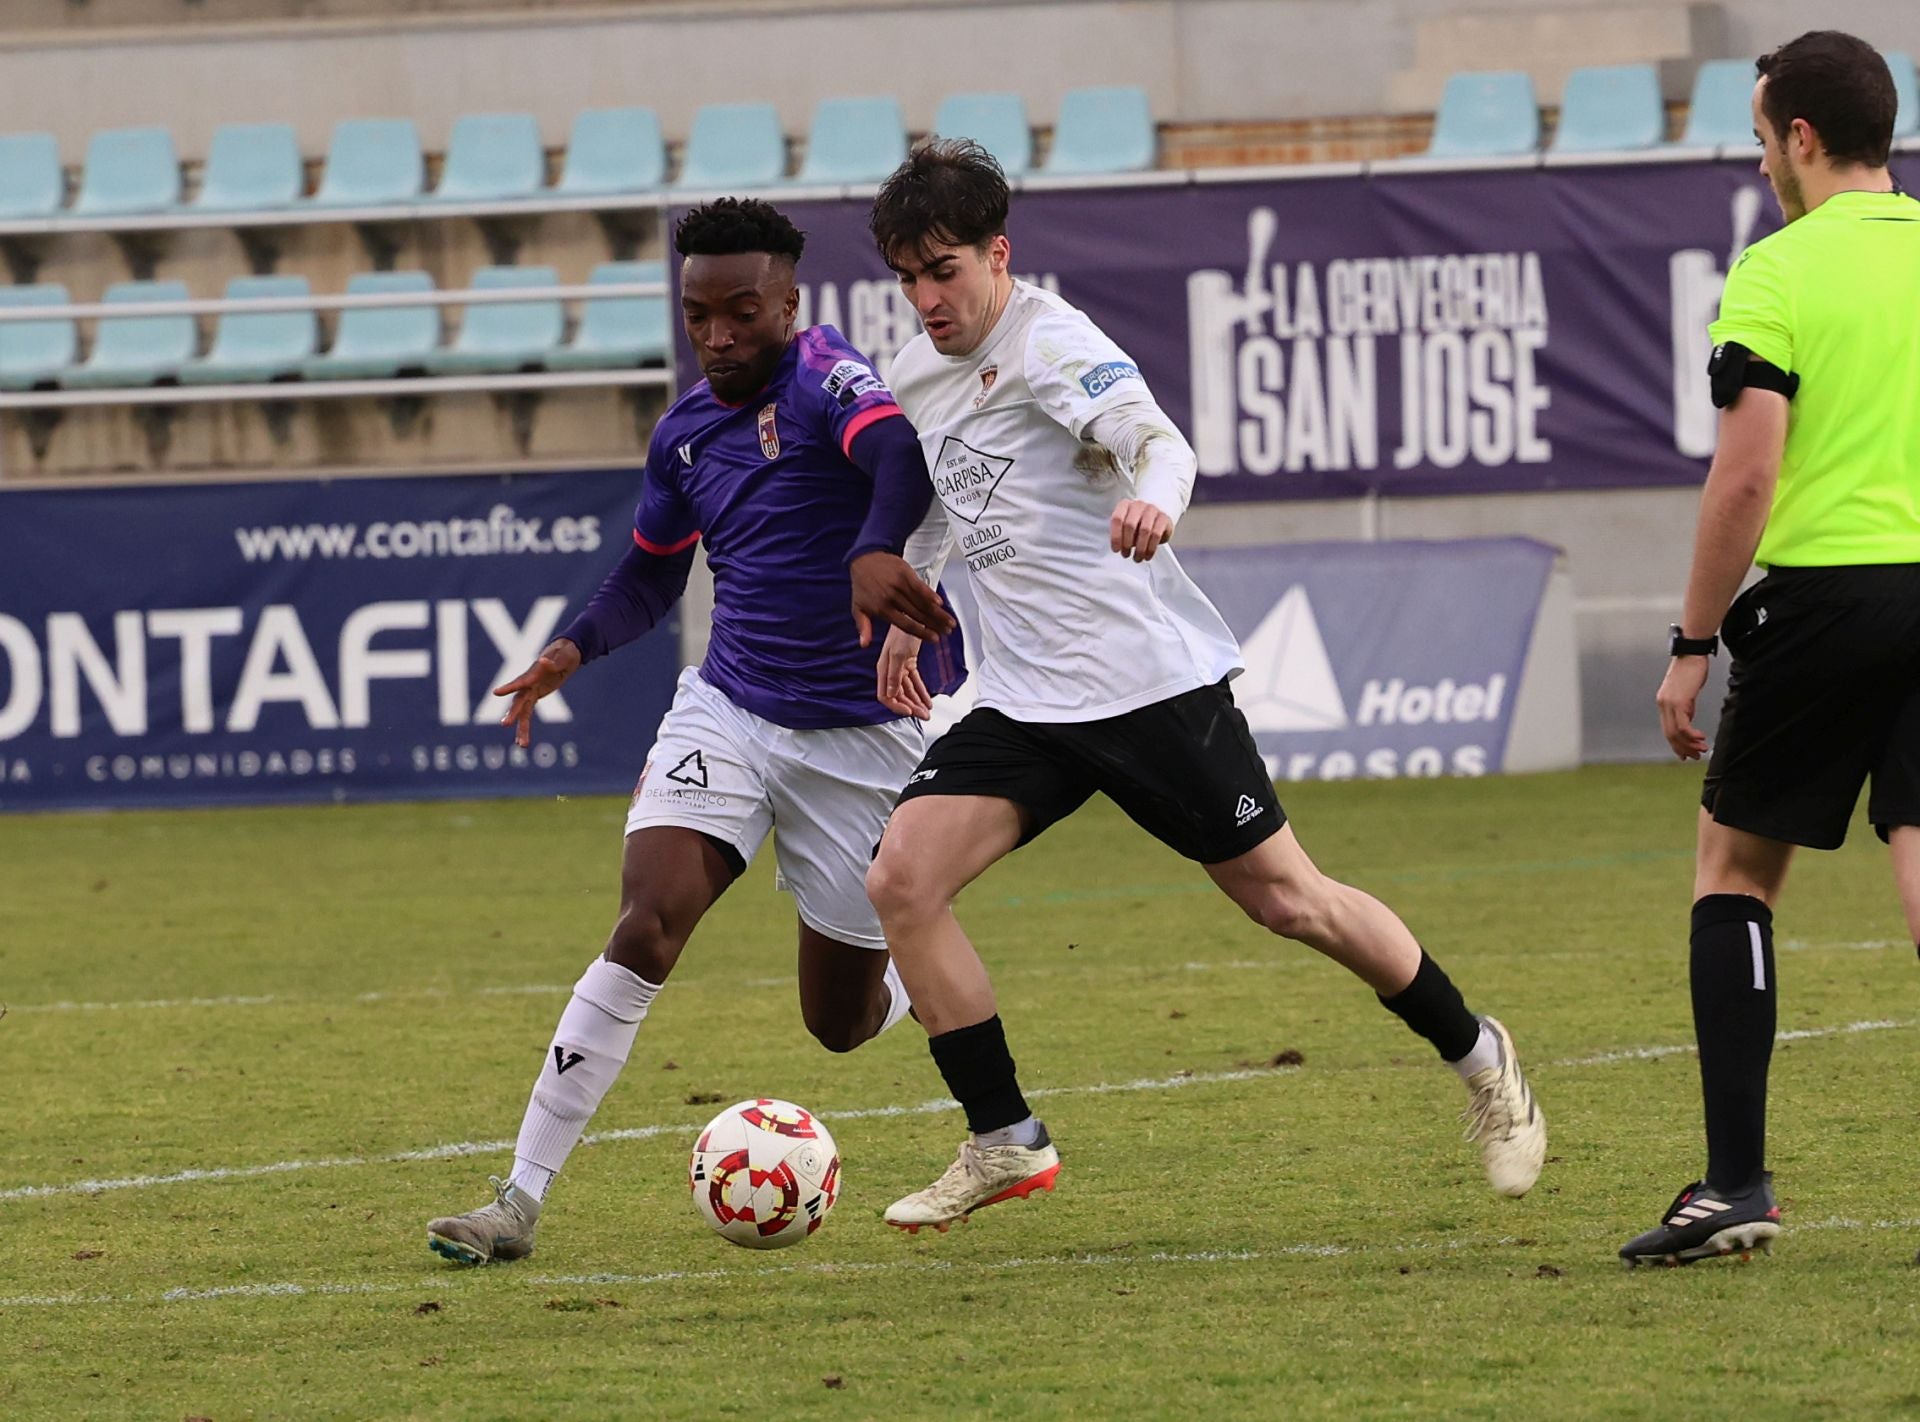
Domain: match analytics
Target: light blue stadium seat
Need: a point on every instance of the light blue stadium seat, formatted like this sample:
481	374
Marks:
622	330
258	346
495	339
1611	108
854	141
493	158
1104	130
251	167
129	170
374	342
734	146
372	163
1906	122
31	181
137	350
1486	115
35	352
614	151
1721	111
997	122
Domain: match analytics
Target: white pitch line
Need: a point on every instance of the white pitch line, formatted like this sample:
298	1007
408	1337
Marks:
903	1266
1862	945
938	1105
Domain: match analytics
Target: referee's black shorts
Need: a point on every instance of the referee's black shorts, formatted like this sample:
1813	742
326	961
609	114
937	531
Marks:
1185	770
1824	693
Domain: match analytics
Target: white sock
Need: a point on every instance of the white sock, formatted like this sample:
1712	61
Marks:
1020	1133
897	1007
1485	1053
589	1048
533	1179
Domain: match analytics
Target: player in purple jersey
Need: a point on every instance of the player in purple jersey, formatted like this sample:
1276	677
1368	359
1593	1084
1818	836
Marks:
793	464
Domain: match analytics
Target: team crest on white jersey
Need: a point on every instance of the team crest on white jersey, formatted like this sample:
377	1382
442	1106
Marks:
769	434
987	377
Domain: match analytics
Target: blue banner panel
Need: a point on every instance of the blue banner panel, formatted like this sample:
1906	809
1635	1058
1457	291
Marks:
309	640
1375	660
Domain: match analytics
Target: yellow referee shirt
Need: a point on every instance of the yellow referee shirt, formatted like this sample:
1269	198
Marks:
1834	298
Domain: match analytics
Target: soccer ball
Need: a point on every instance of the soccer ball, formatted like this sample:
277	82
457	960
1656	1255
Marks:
764	1173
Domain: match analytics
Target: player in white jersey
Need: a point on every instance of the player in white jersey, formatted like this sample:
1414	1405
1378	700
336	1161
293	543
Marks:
1099	667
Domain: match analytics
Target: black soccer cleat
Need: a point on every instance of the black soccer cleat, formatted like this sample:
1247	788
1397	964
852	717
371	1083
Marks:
1704	1223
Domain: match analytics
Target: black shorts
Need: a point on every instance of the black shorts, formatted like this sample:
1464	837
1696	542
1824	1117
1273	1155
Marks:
1824	692
1185	770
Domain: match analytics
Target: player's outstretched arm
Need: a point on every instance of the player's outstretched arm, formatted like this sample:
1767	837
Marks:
559	660
885	586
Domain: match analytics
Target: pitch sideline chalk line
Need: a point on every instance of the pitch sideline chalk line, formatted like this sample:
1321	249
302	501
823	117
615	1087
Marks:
1156	1258
937	1106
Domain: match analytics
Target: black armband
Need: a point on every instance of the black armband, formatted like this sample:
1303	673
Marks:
1734	368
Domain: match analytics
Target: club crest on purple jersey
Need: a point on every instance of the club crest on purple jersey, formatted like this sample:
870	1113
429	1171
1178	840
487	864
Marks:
769	434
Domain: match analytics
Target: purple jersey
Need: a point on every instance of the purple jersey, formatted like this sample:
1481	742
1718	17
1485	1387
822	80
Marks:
770	488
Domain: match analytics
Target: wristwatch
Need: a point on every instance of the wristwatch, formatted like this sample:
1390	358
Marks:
1681	645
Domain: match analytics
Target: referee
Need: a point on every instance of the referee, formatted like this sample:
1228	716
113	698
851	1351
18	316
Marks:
1816	370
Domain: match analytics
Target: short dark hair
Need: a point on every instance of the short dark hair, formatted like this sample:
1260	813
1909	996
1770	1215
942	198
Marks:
1841	86
950	192
728	225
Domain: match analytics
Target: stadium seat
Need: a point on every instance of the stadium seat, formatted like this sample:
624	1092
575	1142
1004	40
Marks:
622	330
1610	108
1721	111
372	163
373	342
1906	123
734	146
129	170
1486	115
997	122
251	166
32	183
1106	130
250	346
492	158
854	141
137	350
496	339
614	151
35	352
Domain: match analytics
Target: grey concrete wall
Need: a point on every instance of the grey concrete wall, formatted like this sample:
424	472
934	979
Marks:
1198	59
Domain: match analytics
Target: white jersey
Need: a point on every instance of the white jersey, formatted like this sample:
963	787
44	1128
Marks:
1068	629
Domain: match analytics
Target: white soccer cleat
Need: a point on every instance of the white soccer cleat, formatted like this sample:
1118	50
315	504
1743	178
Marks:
501	1230
1505	1120
979	1176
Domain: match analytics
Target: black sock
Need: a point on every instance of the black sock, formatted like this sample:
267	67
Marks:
1734	1012
1433	1007
978	1070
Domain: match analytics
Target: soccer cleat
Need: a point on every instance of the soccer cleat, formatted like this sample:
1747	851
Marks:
1505	1120
1705	1223
979	1176
502	1230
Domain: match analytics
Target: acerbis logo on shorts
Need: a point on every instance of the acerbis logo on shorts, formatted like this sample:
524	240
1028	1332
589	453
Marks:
1104	377
1246	810
919	775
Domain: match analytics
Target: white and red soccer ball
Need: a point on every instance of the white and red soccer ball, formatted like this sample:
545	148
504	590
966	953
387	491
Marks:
764	1173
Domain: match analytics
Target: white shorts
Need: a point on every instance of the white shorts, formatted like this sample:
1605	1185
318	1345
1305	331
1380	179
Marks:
726	772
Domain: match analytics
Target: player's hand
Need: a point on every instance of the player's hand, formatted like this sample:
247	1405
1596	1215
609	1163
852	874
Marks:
897	676
886	589
1138	528
559	660
1679	694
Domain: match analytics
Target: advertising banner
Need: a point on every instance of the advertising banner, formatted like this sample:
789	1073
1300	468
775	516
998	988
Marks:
1408	332
307	640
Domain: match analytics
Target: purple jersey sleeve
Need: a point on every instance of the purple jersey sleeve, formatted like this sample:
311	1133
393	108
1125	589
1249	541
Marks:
664	522
849	390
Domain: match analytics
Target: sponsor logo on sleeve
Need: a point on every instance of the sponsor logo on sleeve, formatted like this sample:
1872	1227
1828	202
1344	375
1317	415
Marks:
1104	377
849	380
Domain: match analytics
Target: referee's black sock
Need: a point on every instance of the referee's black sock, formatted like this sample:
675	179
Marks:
1734	1013
1433	1007
978	1070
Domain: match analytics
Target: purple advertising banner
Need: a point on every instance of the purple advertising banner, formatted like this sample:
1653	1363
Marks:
1408	333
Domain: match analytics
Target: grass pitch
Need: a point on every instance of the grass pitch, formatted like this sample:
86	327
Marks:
279	1041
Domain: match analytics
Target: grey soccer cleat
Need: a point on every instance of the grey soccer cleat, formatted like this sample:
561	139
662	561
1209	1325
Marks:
502	1230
